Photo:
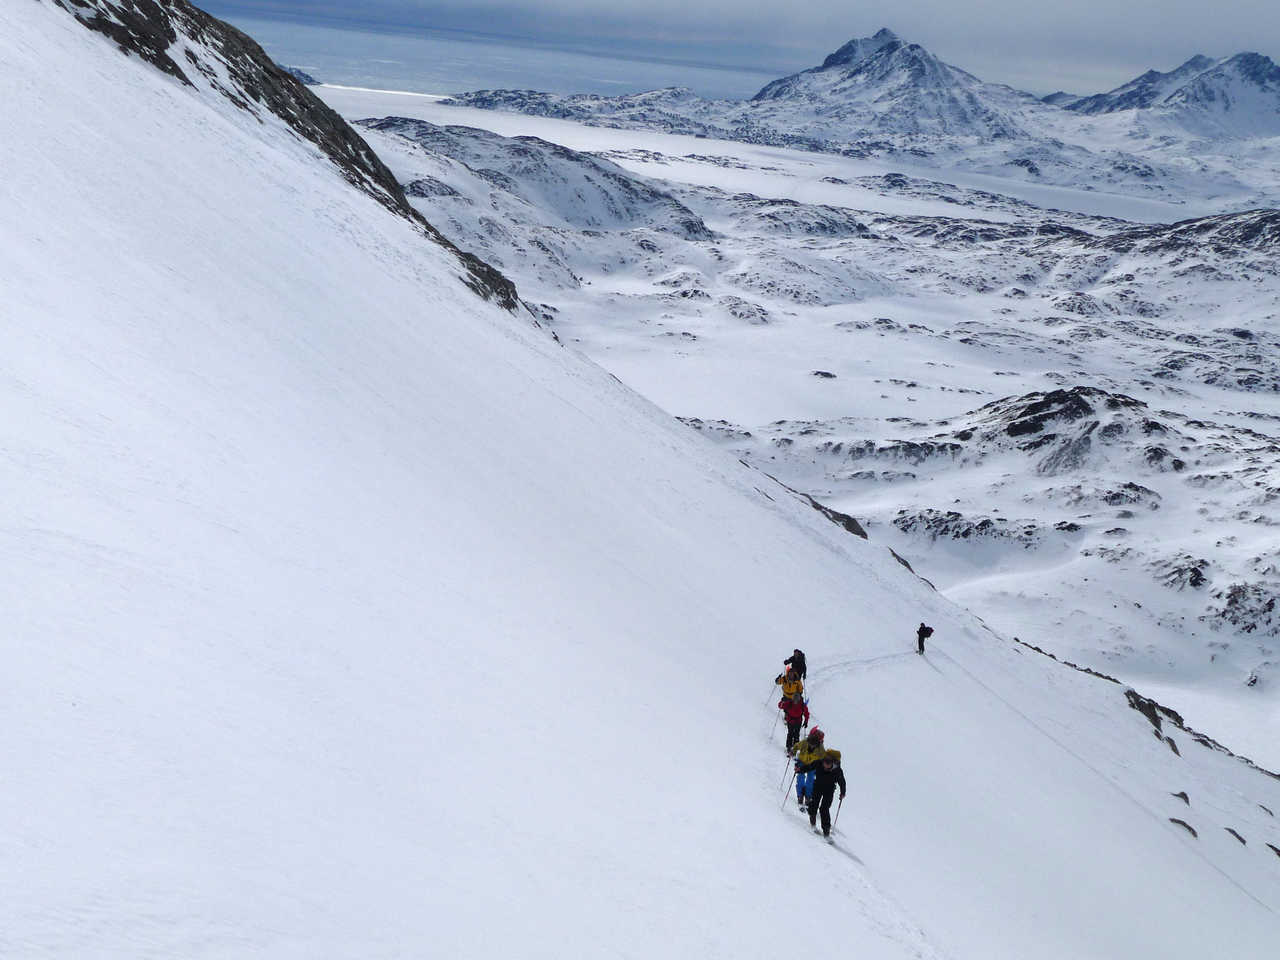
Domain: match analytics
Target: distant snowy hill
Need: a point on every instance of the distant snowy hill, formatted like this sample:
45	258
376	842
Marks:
350	614
1236	98
884	84
1239	98
1144	91
1201	130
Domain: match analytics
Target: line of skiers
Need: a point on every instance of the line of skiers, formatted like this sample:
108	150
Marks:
817	767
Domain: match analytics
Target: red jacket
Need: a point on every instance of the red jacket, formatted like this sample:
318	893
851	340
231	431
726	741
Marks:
794	710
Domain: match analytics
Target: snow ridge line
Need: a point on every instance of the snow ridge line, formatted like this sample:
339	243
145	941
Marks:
1089	766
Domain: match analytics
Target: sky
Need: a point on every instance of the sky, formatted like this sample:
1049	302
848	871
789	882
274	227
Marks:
1084	47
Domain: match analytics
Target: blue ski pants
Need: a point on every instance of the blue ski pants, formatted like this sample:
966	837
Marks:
804	784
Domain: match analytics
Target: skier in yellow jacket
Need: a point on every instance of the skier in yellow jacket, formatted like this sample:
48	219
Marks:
792	685
808	752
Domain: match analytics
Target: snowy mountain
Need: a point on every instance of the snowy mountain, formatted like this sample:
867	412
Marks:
1239	97
1145	91
1199	132
350	614
883	84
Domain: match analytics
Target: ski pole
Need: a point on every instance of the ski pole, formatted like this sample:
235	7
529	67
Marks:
774	728
790	763
787	792
837	816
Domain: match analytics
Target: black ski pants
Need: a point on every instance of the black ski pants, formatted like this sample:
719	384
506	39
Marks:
793	734
820	802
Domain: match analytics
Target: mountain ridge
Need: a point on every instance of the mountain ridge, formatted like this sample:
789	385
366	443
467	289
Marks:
881	97
328	582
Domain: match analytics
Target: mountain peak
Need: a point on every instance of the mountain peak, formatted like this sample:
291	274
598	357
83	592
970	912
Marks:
1196	64
1238	97
1254	67
861	48
1144	91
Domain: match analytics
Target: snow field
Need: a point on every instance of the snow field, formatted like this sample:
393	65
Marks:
351	616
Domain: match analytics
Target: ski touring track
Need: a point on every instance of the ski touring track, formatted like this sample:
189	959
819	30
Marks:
848	872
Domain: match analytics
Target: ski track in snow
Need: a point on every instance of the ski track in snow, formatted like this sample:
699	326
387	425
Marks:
853	878
332	582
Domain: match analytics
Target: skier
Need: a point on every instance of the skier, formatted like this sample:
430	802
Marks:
923	632
795	712
807	752
792	685
796	663
826	777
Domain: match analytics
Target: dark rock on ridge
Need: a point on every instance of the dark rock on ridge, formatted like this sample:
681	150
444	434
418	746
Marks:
302	76
150	29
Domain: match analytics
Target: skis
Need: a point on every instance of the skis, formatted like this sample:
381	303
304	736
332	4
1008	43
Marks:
818	832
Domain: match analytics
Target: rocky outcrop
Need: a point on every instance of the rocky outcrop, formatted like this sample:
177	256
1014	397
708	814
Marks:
197	49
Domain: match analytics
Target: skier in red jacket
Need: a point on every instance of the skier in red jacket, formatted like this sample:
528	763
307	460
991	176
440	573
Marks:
796	712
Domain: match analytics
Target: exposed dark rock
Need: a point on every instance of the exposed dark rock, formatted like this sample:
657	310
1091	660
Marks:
952	525
1186	826
1130	493
302	76
427	187
1156	713
1151	710
1182	795
1247	607
1066	663
240	70
1234	834
745	310
720	429
1251	229
913	451
1182	571
835	516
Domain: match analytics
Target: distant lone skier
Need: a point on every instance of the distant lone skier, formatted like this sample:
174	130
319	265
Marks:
923	632
795	712
789	680
826	778
808	752
796	663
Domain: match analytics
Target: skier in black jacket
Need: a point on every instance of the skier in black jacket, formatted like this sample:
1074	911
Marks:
923	632
828	776
796	663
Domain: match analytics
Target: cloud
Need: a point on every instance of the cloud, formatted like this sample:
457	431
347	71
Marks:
1087	45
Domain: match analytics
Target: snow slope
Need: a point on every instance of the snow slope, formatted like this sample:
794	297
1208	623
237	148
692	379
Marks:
881	357
351	615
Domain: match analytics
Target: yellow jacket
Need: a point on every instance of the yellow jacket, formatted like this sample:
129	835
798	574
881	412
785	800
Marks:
807	751
789	687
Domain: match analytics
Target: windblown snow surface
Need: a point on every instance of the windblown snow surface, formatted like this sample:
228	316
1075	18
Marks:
1065	420
349	615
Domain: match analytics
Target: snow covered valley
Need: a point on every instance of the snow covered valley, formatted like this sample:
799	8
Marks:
353	613
1069	423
